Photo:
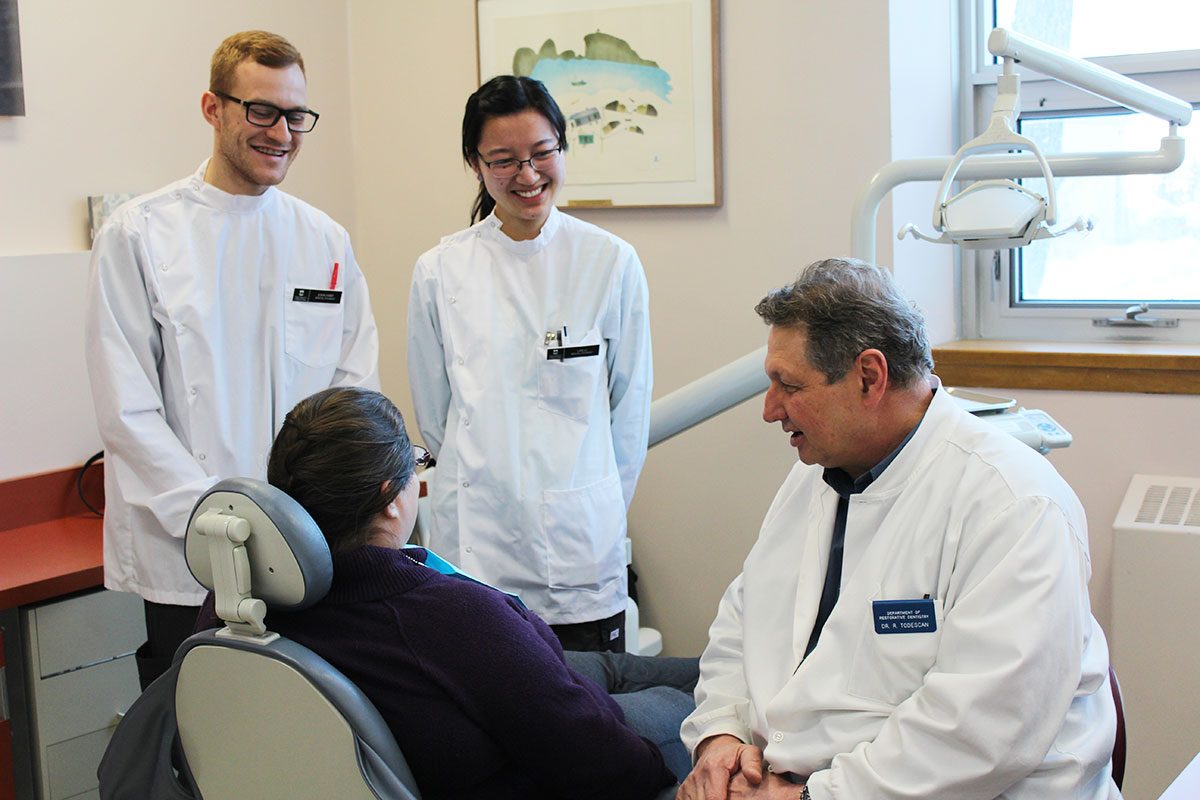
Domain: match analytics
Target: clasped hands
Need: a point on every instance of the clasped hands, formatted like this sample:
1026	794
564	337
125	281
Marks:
729	769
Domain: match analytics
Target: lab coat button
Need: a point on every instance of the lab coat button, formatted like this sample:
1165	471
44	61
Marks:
466	484
467	422
461	360
453	300
467	549
777	736
163	267
180	327
201	456
194	391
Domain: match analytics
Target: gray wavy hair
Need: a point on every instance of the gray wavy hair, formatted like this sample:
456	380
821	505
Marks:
846	306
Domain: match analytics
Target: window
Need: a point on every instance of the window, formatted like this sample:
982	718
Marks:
1145	247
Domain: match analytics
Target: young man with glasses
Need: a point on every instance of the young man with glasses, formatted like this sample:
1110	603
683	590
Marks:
215	304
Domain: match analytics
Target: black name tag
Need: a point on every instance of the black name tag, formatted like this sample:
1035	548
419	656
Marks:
316	296
904	616
560	353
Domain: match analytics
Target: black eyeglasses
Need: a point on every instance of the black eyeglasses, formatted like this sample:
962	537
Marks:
507	167
265	115
422	457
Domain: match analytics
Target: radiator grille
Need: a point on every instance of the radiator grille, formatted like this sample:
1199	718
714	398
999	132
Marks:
1173	502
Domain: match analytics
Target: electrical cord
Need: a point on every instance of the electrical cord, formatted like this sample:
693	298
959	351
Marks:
79	482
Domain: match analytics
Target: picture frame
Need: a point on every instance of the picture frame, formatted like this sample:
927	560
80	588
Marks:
101	207
12	86
638	83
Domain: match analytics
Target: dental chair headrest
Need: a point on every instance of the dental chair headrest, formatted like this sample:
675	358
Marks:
273	551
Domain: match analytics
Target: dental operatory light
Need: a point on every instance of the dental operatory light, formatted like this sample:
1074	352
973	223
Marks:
999	213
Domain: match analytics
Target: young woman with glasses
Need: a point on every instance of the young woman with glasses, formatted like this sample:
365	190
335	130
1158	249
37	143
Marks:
529	359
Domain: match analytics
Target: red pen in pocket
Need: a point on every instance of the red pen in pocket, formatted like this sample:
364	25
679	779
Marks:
333	277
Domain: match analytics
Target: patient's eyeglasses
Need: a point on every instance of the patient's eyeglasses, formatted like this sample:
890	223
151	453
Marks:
422	457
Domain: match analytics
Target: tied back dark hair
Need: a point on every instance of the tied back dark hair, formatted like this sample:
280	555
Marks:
499	97
333	454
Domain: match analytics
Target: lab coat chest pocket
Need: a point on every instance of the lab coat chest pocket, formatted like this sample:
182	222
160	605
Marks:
568	387
889	667
585	532
312	331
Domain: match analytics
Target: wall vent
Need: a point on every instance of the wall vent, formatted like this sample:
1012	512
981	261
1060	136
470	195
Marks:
1160	502
1155	641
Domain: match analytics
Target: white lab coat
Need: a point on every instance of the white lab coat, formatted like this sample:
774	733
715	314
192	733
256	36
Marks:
196	351
537	458
1008	698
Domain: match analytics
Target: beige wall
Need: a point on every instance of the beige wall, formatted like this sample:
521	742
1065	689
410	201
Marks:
112	97
411	71
112	93
1116	436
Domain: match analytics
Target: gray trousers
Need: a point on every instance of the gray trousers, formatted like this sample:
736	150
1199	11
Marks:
654	692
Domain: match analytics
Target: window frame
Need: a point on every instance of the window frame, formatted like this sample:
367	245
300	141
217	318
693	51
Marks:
989	308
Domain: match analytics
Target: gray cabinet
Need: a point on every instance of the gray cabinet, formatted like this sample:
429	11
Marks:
81	677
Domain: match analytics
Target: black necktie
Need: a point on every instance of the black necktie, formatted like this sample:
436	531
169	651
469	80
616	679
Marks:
833	572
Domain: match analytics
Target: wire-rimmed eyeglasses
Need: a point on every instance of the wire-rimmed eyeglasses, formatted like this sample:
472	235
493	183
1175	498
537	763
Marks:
422	457
507	167
265	115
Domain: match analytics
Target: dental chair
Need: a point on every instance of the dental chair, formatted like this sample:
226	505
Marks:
255	714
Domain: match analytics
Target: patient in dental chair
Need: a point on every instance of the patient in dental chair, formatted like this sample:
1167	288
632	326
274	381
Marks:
476	689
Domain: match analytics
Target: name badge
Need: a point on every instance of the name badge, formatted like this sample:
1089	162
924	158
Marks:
904	616
316	296
561	353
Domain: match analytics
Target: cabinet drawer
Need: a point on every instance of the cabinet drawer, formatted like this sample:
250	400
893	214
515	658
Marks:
91	794
83	701
84	630
72	765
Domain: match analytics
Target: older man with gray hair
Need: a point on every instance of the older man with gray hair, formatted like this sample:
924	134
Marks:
913	620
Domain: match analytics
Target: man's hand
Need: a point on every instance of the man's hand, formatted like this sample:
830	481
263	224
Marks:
773	788
718	760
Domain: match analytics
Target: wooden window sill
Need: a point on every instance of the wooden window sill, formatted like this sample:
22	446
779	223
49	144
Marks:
1075	366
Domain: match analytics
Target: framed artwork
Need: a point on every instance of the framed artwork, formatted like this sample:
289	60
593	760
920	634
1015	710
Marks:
12	86
101	207
637	81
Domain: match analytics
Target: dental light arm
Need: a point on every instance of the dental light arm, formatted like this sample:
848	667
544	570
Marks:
998	212
1089	77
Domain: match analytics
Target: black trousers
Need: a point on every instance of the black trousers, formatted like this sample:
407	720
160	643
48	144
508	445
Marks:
166	628
602	634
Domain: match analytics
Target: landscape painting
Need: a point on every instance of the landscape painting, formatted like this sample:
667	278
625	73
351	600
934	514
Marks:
636	83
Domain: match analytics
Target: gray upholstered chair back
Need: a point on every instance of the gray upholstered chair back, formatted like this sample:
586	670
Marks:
258	715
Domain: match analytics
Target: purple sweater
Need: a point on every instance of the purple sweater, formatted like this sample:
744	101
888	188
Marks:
473	686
